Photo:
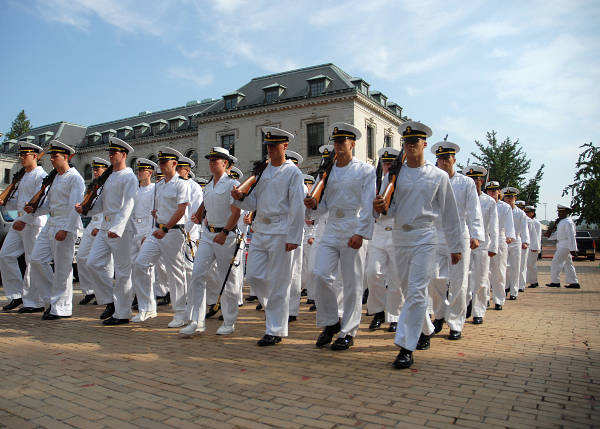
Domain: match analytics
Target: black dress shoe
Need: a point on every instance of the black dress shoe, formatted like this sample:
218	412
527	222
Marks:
365	296
86	299
343	343
488	304
54	317
469	309
506	292
211	311
313	307
113	322
134	304
327	335
310	301
573	286
221	317
404	359
27	310
393	327
477	320
553	284
378	319
454	335
108	311
251	298
259	306
164	300
512	298
47	311
438	325
497	307
268	340
291	319
533	285
13	304
423	343
303	292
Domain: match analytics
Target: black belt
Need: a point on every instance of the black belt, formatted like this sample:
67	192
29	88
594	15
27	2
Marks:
213	229
160	225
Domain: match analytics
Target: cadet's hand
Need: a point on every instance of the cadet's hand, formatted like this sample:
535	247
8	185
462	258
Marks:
195	219
310	202
379	204
573	253
28	209
534	251
112	235
524	246
491	254
153	212
355	241
251	230
1	201
474	243
78	208
19	225
310	241
508	240
309	222
143	239
289	247
236	193
95	232
159	233
248	218
60	235
220	238
456	257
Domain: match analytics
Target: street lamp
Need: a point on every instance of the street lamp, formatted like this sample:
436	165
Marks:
545	217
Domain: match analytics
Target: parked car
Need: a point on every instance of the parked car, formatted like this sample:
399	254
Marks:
586	245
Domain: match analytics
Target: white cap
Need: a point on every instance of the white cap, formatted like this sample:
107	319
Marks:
509	191
388	153
166	152
184	161
276	136
118	144
414	129
341	129
445	148
99	162
474	171
60	147
236	173
294	156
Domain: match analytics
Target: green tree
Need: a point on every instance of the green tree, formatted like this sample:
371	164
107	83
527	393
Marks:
585	192
508	165
20	126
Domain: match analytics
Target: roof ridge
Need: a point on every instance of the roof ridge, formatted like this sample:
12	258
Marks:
285	73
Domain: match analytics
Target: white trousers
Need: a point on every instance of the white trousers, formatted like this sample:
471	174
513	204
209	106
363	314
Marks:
562	258
296	285
523	272
104	250
187	255
310	286
135	251
498	271
306	248
83	255
55	288
333	250
513	271
456	312
438	286
270	273
213	285
160	277
532	270
170	249
15	285
415	269
208	253
480	285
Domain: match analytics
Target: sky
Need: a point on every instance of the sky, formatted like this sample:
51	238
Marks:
529	70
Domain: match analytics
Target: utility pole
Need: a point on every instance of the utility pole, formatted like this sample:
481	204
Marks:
545	217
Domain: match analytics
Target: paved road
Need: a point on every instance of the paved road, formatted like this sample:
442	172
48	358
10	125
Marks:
534	364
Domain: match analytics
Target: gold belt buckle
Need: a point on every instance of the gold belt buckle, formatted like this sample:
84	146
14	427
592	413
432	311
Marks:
339	213
387	228
106	217
407	228
211	228
20	214
266	220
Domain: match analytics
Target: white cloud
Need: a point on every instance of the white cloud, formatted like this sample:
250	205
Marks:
491	30
190	76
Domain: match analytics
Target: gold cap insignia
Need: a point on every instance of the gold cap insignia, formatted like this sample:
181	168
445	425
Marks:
440	149
269	134
408	129
335	130
326	151
386	153
471	171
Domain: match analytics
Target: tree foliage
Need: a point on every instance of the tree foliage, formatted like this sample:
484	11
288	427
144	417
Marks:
585	192
508	164
20	126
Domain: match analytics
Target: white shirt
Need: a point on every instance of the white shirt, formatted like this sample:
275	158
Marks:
490	223
28	186
218	201
168	197
66	191
506	225
196	199
144	202
565	234
469	209
350	191
520	220
535	234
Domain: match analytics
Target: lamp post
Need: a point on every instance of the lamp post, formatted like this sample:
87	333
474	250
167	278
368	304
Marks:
545	217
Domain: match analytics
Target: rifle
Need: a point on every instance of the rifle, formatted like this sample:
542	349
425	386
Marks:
92	191
393	173
239	240
9	192
250	183
552	228
323	174
378	175
46	184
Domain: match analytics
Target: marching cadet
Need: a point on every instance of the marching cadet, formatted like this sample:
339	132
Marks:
566	246
524	252
384	304
535	236
163	296
506	235
166	241
218	244
236	174
115	237
277	199
471	222
422	192
22	235
99	166
56	241
142	217
309	238
347	198
513	272
480	261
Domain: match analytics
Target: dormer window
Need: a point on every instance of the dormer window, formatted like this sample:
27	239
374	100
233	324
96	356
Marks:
42	140
158	126
273	92
380	98
106	135
124	132
317	85
232	99
140	129
361	85
93	138
176	122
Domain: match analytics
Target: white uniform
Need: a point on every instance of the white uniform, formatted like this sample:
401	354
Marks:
57	289
171	247
348	199
524	256
532	257
320	225
278	201
309	233
513	272
116	204
83	255
18	242
421	195
506	229
565	234
196	197
144	224
296	285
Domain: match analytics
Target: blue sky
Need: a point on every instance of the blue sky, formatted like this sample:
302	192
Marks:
527	69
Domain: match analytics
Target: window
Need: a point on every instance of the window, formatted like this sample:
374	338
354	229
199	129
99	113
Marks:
316	88
316	135
91	140
271	96
228	142
87	172
105	138
388	141
137	131
230	103
155	128
370	143
6	147
121	134
133	164
152	158
193	155
193	125
7	176
42	140
174	125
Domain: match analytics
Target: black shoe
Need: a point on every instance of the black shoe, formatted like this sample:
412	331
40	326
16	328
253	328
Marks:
134	304
47	311
259	306
404	359
454	335
211	311
95	303
378	319
533	285
268	340
313	308
108	311
498	307
164	300
477	320
310	301
512	298
488	304
327	335
365	296
506	292
27	310
86	299
469	309
251	298
423	343
343	343
553	284
113	322
303	292
291	319
221	317
13	304
393	327
438	324
54	317
573	286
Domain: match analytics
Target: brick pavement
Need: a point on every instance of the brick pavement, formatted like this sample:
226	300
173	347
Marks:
535	364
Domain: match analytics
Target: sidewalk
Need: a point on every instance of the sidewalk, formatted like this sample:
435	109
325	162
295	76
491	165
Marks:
534	364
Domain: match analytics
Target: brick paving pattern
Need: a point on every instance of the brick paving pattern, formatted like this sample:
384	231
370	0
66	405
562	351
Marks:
534	364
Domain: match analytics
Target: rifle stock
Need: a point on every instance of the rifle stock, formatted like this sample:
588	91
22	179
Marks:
393	173
35	201
92	192
552	228
248	185
323	173
8	193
